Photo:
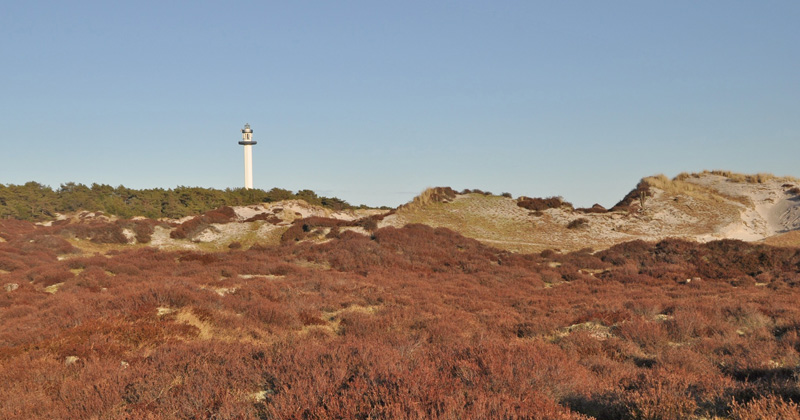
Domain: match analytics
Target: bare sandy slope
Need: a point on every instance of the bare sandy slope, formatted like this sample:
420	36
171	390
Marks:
280	215
771	209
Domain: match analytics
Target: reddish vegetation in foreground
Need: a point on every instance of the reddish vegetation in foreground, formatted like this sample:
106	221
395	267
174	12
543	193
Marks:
412	323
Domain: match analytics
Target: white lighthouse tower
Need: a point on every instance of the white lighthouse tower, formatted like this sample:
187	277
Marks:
247	142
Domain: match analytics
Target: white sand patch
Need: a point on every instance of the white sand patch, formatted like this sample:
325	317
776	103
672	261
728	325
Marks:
266	228
90	215
246	212
289	210
129	235
787	214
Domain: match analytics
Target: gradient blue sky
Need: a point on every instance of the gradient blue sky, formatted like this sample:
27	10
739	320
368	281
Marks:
373	101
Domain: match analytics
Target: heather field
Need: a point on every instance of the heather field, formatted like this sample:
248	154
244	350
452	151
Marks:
403	323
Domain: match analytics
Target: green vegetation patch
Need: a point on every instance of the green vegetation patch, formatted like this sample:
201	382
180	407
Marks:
37	202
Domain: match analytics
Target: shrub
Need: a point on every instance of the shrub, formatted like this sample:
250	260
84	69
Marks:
540	204
49	243
195	225
301	228
189	228
431	195
662	395
223	214
143	229
412	322
47	276
647	334
548	253
642	189
768	407
597	208
269	218
578	223
369	223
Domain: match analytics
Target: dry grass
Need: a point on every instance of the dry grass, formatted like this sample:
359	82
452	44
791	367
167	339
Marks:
429	196
205	330
680	185
331	322
53	288
759	178
89	248
495	219
674	186
788	239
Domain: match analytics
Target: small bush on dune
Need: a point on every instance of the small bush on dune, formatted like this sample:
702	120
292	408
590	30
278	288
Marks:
143	229
642	190
269	218
597	209
107	234
578	223
368	223
195	225
189	228
221	215
541	204
302	228
431	195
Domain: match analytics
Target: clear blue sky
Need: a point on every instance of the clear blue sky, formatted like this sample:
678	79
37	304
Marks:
373	101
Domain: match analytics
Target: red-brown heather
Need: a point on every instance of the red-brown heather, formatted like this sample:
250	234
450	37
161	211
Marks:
409	323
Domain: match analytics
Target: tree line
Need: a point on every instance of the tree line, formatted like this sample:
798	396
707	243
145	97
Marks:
34	201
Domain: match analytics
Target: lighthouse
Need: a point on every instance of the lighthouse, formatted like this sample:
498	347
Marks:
247	142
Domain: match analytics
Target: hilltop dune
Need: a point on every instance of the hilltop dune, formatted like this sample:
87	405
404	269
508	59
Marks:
701	207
